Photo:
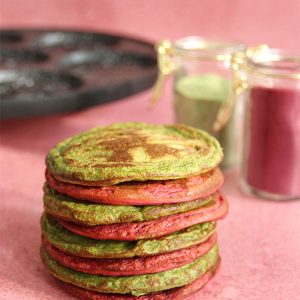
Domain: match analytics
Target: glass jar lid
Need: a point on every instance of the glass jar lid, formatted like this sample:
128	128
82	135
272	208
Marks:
196	47
275	63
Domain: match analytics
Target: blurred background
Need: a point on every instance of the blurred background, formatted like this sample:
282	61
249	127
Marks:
274	22
252	236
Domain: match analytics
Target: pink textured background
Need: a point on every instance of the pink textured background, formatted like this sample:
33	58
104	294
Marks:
259	240
275	22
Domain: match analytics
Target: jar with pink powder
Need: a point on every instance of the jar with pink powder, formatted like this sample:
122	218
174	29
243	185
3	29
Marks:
271	154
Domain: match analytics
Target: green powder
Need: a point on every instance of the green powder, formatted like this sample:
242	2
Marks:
198	99
204	87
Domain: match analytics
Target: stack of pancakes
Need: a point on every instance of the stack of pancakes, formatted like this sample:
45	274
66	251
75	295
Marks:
131	210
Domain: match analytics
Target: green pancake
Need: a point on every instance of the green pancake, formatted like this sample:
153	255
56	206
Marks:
136	285
77	245
88	213
133	152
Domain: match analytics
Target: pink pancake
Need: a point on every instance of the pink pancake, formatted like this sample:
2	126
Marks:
131	266
215	210
144	193
172	294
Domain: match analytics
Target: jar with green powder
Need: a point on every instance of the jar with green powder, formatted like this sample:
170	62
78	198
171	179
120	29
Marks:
202	86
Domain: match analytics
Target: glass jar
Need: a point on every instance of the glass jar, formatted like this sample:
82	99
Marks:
271	154
202	84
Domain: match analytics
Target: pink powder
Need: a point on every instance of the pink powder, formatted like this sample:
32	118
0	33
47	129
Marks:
273	161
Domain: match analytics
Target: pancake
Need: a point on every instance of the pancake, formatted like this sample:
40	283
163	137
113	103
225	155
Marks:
172	294
212	211
144	193
133	152
138	284
91	214
77	245
131	266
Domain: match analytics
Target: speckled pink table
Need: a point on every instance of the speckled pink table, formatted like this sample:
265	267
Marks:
259	240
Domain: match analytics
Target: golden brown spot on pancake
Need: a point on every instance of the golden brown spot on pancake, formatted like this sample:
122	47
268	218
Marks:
123	146
159	150
202	150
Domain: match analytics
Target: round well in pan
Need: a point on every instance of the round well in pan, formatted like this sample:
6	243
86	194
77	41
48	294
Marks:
35	83
74	39
105	59
17	57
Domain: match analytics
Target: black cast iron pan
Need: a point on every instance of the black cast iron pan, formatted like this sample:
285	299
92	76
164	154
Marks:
51	71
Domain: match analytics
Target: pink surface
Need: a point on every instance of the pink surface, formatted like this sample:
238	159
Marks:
256	21
259	240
